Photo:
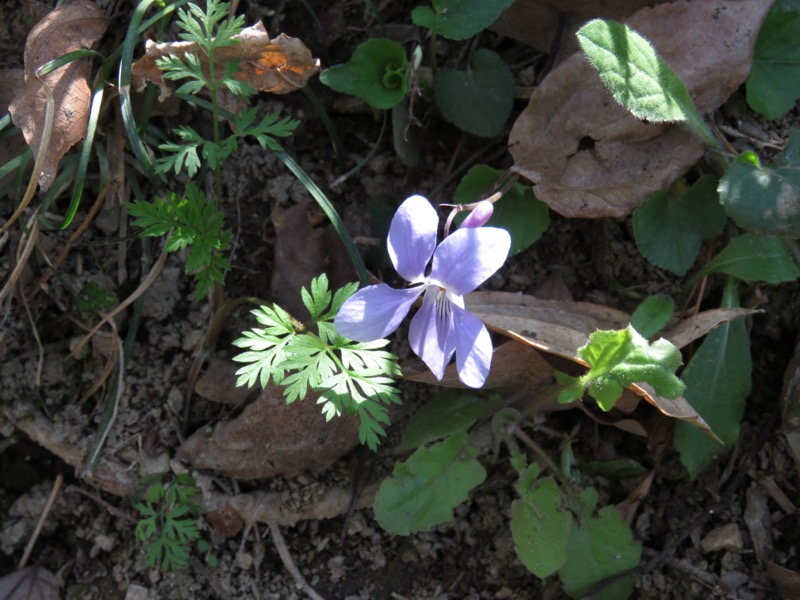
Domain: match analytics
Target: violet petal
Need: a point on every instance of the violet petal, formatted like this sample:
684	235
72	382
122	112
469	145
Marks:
473	348
374	312
468	257
431	334
412	238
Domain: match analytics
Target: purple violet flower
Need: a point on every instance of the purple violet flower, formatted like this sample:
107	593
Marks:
441	327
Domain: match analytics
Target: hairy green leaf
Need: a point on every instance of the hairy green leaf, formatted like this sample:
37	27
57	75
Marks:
540	526
423	491
618	359
446	413
637	77
600	546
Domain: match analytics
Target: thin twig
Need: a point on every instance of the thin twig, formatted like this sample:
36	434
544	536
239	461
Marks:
146	283
286	558
35	535
74	489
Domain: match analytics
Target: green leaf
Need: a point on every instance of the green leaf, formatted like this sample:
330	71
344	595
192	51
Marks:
599	547
625	468
478	100
717	383
540	527
652	314
423	491
376	72
754	258
445	414
618	359
669	231
320	297
519	212
765	199
773	86
636	75
459	19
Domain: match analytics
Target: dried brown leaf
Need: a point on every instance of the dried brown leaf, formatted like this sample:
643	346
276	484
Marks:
68	28
279	65
514	364
559	329
787	580
29	583
587	156
12	81
305	247
696	326
271	437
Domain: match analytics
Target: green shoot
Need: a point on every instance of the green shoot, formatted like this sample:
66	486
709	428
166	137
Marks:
167	528
196	223
352	378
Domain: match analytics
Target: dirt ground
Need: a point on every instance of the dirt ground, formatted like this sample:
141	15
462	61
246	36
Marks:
702	538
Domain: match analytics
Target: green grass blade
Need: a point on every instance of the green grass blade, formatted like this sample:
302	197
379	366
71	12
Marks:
330	211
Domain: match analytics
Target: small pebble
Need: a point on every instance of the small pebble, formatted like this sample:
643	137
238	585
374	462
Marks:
136	592
728	537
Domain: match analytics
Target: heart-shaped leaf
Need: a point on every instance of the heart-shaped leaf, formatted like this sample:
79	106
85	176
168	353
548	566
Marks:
376	72
669	231
459	19
518	212
478	100
774	82
765	199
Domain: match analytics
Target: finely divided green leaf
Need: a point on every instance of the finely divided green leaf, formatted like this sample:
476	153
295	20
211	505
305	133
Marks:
755	258
423	491
519	212
717	383
765	199
636	75
478	100
540	527
773	86
459	19
446	413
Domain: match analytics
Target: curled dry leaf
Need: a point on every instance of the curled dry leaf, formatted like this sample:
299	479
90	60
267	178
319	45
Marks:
558	329
279	65
588	156
68	28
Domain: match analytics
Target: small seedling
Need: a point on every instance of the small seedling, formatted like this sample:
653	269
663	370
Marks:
352	378
168	524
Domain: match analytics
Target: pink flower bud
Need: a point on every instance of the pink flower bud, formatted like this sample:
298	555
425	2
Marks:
479	215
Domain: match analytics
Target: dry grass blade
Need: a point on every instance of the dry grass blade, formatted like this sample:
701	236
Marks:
71	27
